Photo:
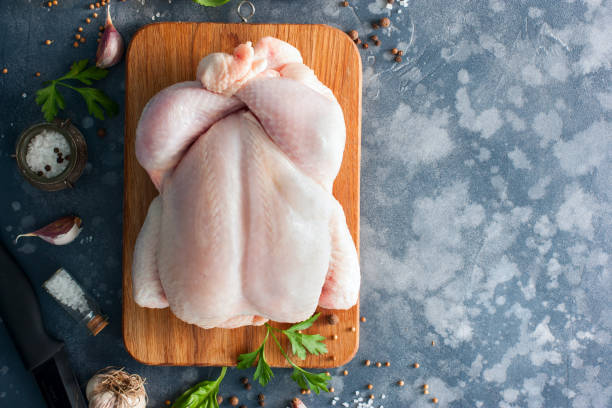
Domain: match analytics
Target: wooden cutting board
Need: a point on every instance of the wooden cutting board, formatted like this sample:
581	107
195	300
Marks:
165	53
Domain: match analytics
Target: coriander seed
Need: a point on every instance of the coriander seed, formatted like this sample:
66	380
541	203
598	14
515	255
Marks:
425	392
75	44
398	59
48	42
425	386
375	26
400	383
353	34
95	15
247	386
363	319
82	39
88	20
345	3
377	43
387	363
80	29
5	70
434	400
234	400
371	396
331	389
400	53
167	402
77	36
367	362
37	74
261	397
219	399
394	51
365	45
303	391
385	22
370	386
262	403
416	365
345	372
91	6
354	329
378	364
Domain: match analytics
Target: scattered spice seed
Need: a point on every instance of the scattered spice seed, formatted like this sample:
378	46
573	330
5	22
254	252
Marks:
385	22
345	372
400	383
308	391
219	399
95	15
331	389
234	400
434	400
367	362
91	6
80	29
433	343
261	397
363	319
50	4
370	386
75	44
101	133
398	59
77	36
88	20
5	70
387	363
335	337
400	53
167	402
37	74
378	364
373	38
82	39
353	34
97	5
390	1
394	51
377	43
332	319
333	358
262	403
328	373
416	365
365	45
358	41
47	168
345	3
101	28
425	392
247	386
353	329
425	386
48	42
371	396
55	2
375	26
98	39
303	391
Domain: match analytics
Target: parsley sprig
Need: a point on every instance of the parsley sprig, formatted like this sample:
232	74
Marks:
300	345
210	3
51	100
201	395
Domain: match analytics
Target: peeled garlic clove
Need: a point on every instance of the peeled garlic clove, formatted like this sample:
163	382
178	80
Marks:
59	232
110	48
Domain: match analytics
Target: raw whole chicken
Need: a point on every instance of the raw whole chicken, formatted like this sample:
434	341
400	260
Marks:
245	227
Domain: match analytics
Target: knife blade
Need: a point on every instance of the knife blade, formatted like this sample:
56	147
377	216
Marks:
42	355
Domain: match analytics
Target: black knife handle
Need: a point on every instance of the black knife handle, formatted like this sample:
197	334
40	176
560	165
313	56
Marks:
20	311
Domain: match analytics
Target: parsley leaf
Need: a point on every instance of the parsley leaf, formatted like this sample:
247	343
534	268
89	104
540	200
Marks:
201	395
210	3
263	372
51	100
300	343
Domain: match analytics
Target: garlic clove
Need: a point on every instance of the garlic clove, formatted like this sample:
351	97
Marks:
297	403
110	49
60	232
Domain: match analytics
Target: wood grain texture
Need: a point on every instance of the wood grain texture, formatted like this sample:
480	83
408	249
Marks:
165	53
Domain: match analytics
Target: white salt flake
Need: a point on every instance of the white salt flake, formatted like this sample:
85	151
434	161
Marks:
66	291
41	156
345	404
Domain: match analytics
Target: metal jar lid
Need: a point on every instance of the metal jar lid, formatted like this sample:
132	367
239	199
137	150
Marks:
78	151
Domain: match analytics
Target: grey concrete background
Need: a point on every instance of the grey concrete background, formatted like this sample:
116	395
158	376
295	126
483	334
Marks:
486	199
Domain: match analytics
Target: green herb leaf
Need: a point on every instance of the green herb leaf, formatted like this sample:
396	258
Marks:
210	3
98	102
51	101
201	395
307	380
305	324
263	372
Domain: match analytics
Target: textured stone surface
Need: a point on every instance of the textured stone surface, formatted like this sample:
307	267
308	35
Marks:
486	200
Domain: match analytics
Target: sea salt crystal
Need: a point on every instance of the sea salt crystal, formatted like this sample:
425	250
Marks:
66	291
333	402
40	153
356	392
345	404
336	398
383	396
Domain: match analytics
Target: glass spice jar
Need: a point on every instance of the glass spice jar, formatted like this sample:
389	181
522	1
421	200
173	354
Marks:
75	164
71	296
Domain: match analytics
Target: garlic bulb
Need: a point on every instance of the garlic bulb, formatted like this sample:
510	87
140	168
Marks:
111	47
114	388
60	232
